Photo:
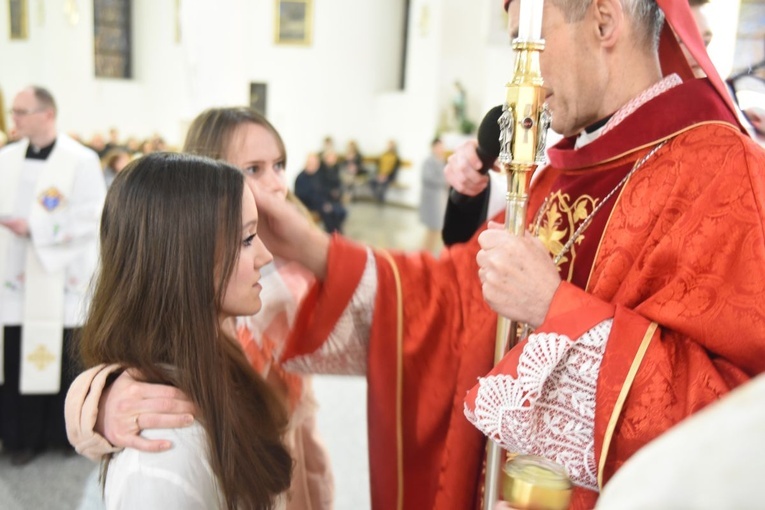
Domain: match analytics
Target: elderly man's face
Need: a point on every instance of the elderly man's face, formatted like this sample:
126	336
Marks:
573	83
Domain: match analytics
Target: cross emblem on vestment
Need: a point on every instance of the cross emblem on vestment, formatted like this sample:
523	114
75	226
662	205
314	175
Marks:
41	357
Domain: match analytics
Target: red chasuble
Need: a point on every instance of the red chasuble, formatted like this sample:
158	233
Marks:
677	259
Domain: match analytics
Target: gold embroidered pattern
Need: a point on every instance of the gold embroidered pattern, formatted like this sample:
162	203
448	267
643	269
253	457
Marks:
41	357
579	210
559	218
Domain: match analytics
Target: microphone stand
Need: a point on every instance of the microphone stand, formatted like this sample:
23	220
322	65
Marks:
523	130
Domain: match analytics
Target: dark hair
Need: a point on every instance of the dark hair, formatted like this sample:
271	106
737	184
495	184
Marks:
44	97
170	233
210	132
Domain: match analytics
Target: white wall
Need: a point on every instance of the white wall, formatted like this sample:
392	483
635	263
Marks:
343	85
332	87
59	55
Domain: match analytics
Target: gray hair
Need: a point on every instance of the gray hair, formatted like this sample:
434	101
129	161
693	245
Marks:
646	14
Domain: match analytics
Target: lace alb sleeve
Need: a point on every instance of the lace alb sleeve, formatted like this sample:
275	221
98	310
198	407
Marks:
549	409
345	351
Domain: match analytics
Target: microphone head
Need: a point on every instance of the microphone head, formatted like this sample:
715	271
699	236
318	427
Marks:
487	150
488	136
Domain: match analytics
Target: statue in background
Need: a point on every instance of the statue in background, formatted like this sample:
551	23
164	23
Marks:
460	121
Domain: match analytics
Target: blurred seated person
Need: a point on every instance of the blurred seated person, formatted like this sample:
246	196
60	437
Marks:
98	144
329	171
310	189
328	145
133	146
114	140
353	160
159	143
113	163
387	169
147	147
352	169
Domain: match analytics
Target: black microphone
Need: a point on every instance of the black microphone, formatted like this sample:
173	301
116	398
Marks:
487	150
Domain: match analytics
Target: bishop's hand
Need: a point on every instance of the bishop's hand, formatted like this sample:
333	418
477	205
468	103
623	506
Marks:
517	275
287	233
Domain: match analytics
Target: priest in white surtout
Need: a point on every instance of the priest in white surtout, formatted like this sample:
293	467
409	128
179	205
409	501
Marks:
51	198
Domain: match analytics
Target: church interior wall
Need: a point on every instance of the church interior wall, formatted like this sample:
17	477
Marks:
345	84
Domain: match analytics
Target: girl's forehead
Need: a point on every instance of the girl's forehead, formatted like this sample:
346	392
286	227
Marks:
252	142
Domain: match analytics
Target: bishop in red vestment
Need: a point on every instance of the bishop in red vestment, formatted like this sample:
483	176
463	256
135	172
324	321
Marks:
656	316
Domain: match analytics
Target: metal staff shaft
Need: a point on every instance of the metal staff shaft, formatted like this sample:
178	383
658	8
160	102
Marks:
523	128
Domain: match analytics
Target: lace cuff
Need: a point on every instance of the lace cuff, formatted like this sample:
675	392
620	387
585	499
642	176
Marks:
347	347
549	409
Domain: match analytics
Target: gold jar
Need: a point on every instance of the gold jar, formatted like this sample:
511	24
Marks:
534	483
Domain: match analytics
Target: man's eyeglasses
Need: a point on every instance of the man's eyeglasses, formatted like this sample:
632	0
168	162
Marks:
24	113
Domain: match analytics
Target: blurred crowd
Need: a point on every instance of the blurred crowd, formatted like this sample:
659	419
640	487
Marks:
330	180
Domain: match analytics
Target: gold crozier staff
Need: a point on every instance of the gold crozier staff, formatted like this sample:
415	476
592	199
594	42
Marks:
523	129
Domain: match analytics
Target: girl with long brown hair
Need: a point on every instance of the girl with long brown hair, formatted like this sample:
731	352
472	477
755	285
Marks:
180	258
248	141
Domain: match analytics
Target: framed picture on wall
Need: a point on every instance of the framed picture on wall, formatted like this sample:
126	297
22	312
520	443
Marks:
18	18
258	97
293	22
112	39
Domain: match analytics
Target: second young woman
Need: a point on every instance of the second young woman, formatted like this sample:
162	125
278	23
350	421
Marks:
245	139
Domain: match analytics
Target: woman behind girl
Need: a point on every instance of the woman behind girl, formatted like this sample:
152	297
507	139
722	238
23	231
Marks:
180	258
247	140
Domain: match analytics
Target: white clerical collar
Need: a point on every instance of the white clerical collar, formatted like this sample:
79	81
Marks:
586	137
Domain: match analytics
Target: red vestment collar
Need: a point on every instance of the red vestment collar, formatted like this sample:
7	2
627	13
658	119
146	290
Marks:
680	108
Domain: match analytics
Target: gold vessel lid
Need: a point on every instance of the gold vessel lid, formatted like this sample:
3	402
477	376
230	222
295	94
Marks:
535	483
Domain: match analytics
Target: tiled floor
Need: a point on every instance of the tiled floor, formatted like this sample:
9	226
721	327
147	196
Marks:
55	481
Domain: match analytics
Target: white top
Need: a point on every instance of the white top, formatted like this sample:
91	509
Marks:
178	478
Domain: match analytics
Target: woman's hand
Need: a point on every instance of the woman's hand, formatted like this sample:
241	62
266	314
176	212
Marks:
129	406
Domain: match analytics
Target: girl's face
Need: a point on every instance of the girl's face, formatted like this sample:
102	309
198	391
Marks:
254	149
242	295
